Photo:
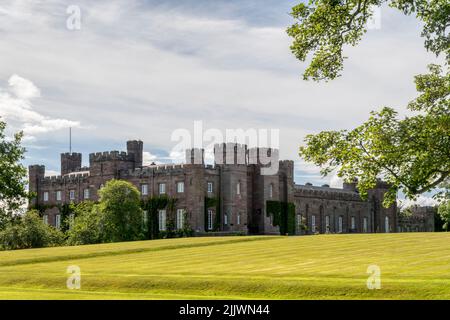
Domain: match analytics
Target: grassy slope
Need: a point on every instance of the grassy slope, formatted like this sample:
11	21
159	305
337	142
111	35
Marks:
413	266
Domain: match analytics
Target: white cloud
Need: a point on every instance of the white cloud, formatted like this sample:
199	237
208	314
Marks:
148	158
336	182
142	69
16	106
422	201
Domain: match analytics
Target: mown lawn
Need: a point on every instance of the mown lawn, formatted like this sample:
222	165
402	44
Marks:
413	266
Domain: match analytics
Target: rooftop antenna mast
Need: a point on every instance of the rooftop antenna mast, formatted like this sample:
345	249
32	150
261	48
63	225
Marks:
70	140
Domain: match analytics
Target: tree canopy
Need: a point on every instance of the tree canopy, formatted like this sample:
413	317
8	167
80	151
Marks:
12	175
322	28
412	154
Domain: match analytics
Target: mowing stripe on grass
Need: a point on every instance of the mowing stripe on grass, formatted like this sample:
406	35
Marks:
128	251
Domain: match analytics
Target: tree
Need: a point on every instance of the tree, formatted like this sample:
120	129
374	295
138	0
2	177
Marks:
30	232
324	27
444	206
12	175
122	215
411	154
86	226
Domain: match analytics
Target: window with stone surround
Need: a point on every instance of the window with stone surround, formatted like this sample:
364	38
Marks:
45	218
210	187
162	188
313	223
365	225
353	223
72	194
238	188
45	196
238	218
210	219
180	187
162	220
271	190
86	194
180	218
144	189
58	195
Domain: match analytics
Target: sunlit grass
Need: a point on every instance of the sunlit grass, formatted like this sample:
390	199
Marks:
413	266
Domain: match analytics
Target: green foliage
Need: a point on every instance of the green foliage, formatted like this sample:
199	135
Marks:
12	175
323	28
152	206
283	215
120	205
411	154
444	206
121	211
86	227
30	232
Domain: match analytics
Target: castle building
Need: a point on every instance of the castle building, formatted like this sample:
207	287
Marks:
239	179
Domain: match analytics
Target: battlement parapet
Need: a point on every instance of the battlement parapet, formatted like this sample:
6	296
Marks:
110	156
74	177
326	192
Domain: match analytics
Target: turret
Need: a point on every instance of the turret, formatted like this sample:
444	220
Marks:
136	148
195	156
70	162
230	153
35	174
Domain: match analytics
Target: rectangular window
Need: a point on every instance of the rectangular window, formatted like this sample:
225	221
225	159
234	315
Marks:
72	194
180	218
313	223
45	196
162	188
238	188
210	187
45	218
210	219
239	219
225	219
58	221
365	225
270	190
353	223
180	187
144	218
144	189
86	194
58	195
327	221
162	220
340	225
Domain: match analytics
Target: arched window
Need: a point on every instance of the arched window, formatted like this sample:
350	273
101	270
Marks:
271	190
340	224
386	224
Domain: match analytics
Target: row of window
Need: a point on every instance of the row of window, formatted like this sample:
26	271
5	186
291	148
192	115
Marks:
340	223
58	195
162	219
144	191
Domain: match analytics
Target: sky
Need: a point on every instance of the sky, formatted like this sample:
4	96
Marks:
142	69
